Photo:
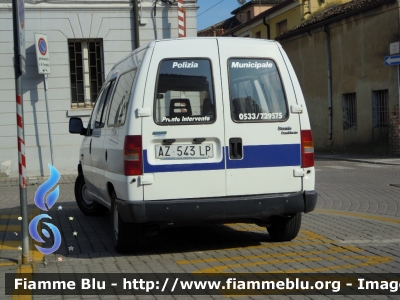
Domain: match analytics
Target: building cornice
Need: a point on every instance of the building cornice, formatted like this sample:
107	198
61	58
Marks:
245	27
95	5
74	6
254	4
307	28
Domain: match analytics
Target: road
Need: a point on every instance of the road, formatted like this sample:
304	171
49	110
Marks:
355	228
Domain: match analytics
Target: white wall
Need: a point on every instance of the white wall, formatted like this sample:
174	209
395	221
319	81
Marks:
113	23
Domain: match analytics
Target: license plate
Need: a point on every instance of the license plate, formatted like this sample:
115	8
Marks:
198	151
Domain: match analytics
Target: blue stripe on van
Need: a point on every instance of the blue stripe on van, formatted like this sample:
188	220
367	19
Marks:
262	156
259	156
148	168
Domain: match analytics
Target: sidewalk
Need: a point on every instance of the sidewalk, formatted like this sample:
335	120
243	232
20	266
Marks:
35	180
370	159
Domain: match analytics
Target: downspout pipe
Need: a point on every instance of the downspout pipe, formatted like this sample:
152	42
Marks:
136	19
328	61
268	29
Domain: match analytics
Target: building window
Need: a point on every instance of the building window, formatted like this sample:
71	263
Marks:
86	64
380	108
258	35
281	27
349	111
248	15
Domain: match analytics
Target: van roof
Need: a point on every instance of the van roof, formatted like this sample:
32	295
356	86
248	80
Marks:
225	40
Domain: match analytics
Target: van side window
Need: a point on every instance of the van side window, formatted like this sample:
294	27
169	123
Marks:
184	92
256	91
119	104
98	111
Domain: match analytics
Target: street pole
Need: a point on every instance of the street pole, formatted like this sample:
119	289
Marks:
19	69
136	18
398	109
181	20
48	117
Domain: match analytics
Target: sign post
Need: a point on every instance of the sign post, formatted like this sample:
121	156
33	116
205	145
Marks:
20	16
18	9
394	60
43	62
394	48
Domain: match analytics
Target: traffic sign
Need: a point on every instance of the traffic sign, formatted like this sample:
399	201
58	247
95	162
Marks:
394	48
392	60
42	53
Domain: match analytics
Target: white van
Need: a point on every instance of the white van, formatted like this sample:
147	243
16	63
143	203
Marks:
198	130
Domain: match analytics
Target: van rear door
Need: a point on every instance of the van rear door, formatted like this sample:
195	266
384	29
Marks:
183	139
262	135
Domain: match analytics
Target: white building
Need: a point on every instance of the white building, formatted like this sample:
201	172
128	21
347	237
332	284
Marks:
85	39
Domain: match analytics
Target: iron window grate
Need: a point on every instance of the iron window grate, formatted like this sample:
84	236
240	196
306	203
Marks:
349	111
86	71
380	108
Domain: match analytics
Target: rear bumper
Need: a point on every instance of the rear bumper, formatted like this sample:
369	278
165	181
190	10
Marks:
219	210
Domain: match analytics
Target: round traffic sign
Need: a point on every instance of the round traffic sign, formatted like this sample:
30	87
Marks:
42	46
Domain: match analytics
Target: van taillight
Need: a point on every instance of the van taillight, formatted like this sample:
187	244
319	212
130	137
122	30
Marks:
133	155
307	149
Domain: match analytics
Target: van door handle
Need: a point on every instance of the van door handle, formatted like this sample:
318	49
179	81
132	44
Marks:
90	147
106	155
235	148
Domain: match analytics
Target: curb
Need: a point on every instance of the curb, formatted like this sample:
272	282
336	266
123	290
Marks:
368	161
34	181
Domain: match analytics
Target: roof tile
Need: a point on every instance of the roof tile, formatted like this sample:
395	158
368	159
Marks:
219	28
332	12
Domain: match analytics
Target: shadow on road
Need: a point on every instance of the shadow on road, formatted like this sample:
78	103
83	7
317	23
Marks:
93	235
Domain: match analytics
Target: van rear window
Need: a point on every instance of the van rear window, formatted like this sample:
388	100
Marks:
256	91
184	92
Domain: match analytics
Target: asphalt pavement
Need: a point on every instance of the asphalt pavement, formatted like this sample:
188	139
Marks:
354	229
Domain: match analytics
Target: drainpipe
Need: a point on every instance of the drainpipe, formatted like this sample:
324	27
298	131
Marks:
136	20
268	30
328	58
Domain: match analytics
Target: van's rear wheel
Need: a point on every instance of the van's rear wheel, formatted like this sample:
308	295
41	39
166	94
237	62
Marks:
87	206
127	236
285	228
